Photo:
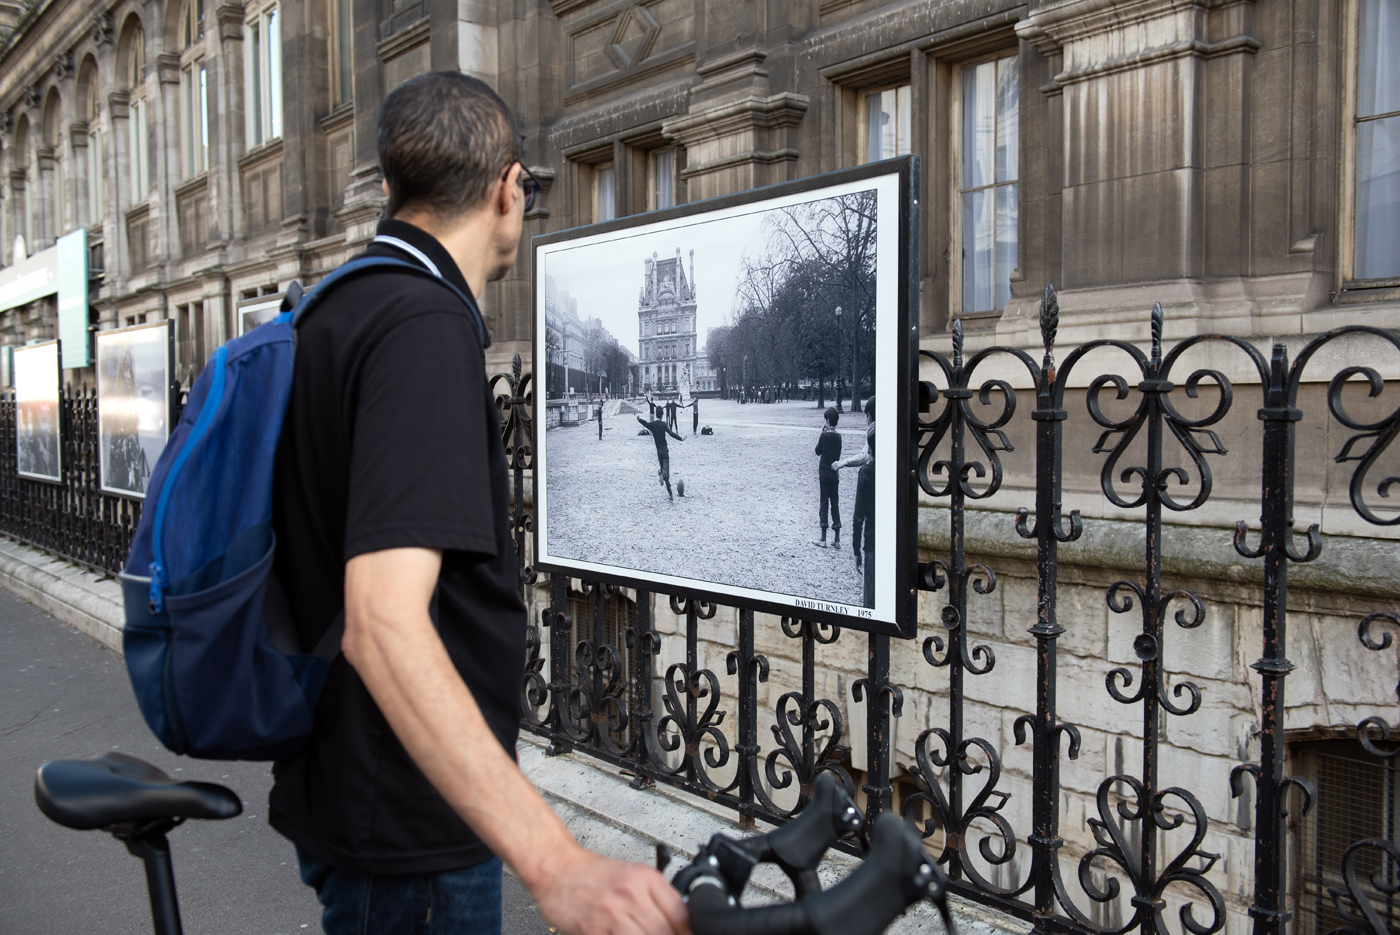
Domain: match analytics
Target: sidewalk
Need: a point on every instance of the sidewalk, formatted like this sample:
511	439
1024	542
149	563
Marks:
594	799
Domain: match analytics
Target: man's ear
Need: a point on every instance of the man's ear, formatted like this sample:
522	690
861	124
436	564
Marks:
384	184
504	199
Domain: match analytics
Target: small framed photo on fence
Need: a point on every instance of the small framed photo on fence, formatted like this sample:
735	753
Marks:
134	367
728	390
38	436
254	312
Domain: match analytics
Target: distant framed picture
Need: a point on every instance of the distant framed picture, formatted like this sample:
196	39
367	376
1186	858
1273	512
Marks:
254	312
134	368
737	347
38	438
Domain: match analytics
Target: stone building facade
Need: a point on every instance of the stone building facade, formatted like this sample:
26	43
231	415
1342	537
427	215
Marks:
1232	159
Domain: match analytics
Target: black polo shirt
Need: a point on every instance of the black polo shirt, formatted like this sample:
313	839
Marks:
392	440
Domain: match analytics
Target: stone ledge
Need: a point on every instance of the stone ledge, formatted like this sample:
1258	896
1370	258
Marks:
81	599
607	815
1351	565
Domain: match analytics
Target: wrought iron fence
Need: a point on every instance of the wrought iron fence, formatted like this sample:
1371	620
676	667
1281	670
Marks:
73	519
1157	435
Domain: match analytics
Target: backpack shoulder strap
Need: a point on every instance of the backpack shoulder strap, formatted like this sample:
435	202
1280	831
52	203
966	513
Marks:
297	303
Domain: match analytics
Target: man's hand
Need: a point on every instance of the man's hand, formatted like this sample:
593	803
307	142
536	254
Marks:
588	894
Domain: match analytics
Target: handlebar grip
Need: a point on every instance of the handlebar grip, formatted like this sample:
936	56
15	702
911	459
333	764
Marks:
800	844
712	913
895	874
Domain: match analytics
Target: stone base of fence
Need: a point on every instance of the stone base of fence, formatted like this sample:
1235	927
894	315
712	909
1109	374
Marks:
83	600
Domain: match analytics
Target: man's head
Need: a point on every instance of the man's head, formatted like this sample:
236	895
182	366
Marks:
870	410
832	415
450	148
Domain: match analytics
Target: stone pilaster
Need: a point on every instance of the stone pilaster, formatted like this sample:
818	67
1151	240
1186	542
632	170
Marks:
737	135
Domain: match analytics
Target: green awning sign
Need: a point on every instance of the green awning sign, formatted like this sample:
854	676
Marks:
61	269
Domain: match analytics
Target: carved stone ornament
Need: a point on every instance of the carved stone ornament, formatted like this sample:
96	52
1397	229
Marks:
7	122
102	28
31	96
62	65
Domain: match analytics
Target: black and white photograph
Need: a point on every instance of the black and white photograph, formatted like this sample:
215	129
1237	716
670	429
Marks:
38	445
133	404
713	390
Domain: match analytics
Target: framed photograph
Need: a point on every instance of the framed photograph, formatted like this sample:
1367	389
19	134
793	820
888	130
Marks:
134	368
730	355
39	448
253	312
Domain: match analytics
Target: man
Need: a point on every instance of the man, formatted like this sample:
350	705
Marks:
695	415
659	430
671	407
827	451
390	503
863	517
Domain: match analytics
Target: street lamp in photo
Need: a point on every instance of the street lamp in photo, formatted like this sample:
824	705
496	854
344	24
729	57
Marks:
837	387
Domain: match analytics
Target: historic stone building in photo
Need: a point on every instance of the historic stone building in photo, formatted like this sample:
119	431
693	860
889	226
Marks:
1237	161
666	332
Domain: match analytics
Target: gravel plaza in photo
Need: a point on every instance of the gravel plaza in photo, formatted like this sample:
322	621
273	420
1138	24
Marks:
749	513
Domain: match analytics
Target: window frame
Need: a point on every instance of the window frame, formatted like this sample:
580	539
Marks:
863	118
596	171
342	63
653	177
1373	289
262	74
96	184
956	190
138	123
194	108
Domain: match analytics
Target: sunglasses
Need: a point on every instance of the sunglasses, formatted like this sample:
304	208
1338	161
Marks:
528	183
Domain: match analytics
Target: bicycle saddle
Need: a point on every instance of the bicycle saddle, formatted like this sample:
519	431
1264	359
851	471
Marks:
114	788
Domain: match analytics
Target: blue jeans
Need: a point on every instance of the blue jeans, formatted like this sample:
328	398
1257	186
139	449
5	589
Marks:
459	902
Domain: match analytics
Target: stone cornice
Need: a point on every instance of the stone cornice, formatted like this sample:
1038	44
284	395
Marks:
780	110
409	37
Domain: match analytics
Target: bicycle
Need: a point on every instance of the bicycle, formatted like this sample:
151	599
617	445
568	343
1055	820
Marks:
138	804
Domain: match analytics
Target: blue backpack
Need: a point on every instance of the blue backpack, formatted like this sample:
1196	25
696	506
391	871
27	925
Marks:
210	643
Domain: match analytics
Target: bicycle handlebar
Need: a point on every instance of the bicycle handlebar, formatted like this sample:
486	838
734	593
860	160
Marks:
895	874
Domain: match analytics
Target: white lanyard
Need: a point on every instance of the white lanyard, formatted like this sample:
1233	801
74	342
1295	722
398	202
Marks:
411	251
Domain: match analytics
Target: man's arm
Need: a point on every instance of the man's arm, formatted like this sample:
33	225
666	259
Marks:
392	645
673	434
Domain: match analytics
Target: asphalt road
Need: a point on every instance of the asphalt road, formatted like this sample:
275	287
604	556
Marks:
63	694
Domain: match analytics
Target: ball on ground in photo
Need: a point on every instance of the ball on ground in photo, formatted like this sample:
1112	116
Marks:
680	487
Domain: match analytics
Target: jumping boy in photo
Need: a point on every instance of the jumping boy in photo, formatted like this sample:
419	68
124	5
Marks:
659	430
828	450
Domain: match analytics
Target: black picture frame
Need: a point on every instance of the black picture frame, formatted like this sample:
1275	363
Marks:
156	333
895	375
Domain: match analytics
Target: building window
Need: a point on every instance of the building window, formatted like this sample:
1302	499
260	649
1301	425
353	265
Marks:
95	187
341	50
987	169
886	126
194	90
262	44
661	172
1377	141
1358	797
136	119
604	193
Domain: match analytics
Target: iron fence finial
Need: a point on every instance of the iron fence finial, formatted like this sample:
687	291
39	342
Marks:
957	343
1049	318
1157	331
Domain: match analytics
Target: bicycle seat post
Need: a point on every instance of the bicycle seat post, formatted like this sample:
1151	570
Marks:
147	840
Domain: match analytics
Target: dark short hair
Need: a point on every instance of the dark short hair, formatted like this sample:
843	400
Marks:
870	409
444	139
832	415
